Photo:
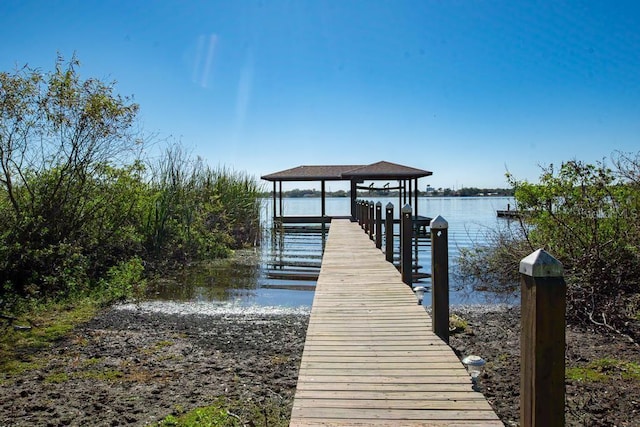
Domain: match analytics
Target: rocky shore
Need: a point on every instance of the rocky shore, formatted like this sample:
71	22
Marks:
134	366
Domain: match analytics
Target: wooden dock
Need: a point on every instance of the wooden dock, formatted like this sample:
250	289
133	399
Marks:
508	214
370	357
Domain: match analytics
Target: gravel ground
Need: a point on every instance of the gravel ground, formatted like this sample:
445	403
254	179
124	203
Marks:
494	335
135	367
131	366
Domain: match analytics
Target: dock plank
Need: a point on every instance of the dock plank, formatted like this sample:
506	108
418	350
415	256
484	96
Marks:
370	357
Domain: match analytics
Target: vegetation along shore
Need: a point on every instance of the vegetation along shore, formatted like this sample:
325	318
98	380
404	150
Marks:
89	217
86	212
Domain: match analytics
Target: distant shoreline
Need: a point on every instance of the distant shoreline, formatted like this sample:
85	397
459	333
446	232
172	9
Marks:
465	192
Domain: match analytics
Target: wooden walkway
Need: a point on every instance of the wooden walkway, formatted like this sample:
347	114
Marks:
370	357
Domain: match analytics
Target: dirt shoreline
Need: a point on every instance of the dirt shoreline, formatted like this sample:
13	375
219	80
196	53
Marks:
130	367
494	335
135	367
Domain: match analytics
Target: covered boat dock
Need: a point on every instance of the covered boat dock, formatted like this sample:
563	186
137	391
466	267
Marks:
405	176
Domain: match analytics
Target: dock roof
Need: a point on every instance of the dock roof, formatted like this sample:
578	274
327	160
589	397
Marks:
379	170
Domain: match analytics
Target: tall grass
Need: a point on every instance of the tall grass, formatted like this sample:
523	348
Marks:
196	211
162	214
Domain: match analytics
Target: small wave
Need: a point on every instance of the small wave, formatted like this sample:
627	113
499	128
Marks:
204	308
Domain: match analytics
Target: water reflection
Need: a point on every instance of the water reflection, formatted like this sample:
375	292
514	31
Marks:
217	280
283	271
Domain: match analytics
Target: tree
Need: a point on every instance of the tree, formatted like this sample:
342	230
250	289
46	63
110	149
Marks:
62	140
587	216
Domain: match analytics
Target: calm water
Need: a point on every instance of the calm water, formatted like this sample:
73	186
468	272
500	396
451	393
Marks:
282	272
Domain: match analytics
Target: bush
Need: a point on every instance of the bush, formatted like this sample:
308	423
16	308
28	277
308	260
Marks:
123	281
587	216
81	211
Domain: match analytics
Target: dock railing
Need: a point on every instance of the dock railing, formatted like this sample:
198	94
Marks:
543	304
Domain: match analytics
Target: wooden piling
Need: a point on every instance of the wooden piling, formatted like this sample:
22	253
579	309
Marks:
388	232
371	219
542	340
440	277
379	225
365	215
406	235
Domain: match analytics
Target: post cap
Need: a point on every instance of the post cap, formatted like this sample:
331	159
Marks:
406	208
541	264
439	223
389	205
379	205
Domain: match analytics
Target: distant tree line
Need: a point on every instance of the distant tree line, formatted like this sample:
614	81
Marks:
83	211
471	192
440	192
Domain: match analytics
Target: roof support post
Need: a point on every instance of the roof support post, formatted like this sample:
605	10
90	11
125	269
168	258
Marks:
274	201
322	190
280	196
354	195
415	204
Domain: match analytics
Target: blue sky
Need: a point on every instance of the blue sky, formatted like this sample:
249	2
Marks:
466	89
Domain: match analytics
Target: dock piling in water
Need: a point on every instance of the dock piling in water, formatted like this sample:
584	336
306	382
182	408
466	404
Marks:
406	238
388	232
378	225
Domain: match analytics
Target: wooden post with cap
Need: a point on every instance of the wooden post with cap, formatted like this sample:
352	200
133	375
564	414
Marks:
542	340
388	232
440	277
378	232
372	219
406	234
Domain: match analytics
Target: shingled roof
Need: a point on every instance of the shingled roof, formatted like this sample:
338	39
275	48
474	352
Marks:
379	170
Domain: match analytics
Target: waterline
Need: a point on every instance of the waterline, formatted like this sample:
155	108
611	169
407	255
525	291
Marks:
211	308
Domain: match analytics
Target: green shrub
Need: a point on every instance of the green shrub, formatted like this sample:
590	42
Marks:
123	281
81	211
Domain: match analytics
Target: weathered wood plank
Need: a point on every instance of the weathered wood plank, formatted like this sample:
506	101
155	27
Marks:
434	389
410	403
370	357
358	413
381	379
366	358
403	365
426	372
405	423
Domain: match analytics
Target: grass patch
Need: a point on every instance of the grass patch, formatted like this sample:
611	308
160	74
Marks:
17	367
92	361
457	324
271	413
280	359
206	416
158	347
48	324
57	378
605	369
